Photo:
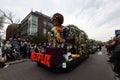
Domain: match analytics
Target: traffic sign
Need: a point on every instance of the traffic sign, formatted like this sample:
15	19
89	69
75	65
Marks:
117	32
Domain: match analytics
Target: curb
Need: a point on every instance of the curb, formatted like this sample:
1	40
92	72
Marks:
115	78
17	61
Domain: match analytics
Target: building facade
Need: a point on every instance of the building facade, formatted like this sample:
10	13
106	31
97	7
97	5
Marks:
33	23
11	31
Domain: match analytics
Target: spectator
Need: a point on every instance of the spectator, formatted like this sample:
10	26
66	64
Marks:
100	47
28	49
111	46
23	49
11	41
115	58
2	64
8	44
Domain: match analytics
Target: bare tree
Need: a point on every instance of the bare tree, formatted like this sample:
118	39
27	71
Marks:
9	17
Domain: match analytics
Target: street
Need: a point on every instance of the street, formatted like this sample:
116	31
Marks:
94	68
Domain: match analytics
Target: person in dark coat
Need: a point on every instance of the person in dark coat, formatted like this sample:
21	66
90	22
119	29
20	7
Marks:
115	58
111	46
100	47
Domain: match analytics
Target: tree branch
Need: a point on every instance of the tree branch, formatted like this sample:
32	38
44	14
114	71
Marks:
8	15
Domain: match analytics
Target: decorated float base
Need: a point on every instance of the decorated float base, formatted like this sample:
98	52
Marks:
65	66
45	61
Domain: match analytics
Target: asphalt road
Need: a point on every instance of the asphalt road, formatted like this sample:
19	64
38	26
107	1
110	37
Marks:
94	68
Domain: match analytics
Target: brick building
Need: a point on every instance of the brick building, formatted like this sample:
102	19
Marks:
10	31
33	23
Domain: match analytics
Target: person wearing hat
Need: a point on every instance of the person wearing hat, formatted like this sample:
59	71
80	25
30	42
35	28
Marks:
57	21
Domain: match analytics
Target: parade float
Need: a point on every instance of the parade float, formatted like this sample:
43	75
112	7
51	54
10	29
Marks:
93	46
66	47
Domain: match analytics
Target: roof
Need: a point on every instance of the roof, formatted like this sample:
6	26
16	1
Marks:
33	13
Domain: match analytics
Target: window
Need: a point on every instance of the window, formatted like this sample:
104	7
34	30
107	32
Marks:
32	25
44	31
44	22
34	20
33	29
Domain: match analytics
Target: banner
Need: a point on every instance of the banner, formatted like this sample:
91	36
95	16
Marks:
41	58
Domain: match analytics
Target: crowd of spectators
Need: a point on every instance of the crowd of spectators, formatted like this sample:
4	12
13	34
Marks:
20	49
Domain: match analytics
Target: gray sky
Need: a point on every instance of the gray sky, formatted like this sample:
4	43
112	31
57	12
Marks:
98	18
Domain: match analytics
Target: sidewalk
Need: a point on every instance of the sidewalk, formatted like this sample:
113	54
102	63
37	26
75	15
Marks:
111	65
17	61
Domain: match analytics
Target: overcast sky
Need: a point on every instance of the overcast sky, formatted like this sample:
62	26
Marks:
98	18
